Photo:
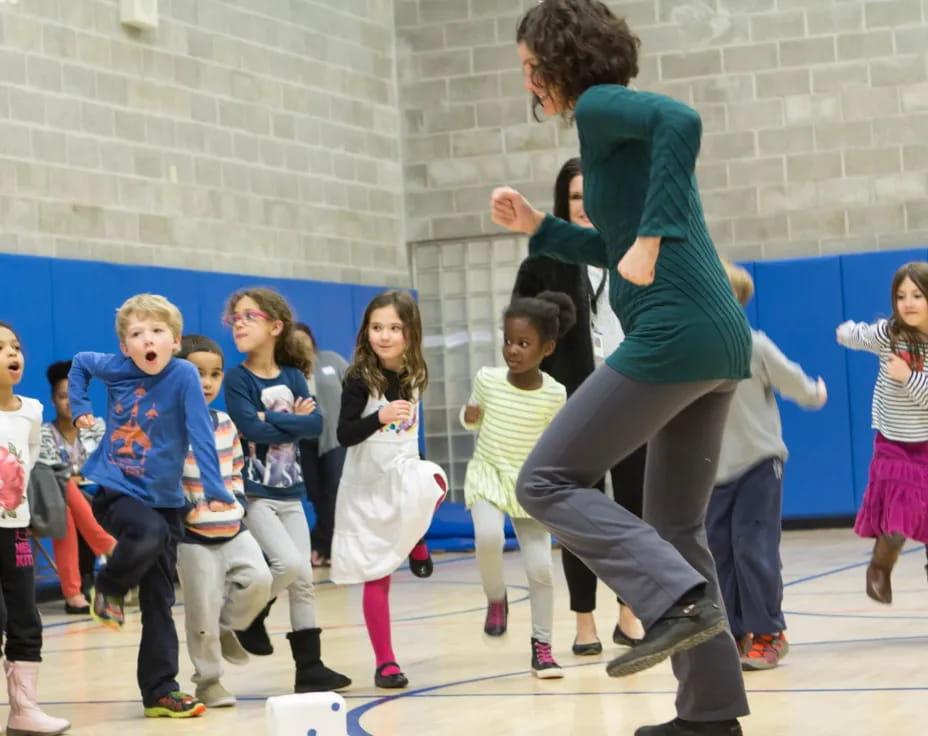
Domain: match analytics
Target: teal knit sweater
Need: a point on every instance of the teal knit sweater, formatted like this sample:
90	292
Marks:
639	156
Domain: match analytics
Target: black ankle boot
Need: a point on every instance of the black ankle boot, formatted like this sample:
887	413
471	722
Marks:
679	727
311	675
254	639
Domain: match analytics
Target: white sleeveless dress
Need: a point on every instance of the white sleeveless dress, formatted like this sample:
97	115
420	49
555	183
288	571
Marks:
385	501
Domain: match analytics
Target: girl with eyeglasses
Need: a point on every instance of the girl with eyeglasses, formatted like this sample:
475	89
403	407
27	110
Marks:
269	401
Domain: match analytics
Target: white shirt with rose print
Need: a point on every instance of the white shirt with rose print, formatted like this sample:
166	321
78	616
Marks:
20	438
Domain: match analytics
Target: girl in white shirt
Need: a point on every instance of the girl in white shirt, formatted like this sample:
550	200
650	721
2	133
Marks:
20	427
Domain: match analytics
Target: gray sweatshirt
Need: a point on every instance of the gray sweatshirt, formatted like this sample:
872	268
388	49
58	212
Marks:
753	432
328	373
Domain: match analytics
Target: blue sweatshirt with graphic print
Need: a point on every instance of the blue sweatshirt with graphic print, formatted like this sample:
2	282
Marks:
271	445
151	420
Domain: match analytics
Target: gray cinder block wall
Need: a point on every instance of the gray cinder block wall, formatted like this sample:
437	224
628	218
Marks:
317	138
815	117
254	136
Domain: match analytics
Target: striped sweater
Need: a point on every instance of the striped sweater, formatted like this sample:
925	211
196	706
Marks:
900	410
511	421
202	525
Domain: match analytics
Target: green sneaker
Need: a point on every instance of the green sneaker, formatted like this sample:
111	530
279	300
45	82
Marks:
107	610
175	705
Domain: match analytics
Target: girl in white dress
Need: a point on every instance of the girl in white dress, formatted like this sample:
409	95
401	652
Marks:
387	494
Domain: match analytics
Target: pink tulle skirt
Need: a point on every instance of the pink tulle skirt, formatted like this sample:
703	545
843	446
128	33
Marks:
896	499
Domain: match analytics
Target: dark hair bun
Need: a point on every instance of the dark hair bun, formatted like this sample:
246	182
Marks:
566	311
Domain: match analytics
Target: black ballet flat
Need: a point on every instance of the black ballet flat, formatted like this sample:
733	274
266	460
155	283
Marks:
76	610
390	682
587	650
622	639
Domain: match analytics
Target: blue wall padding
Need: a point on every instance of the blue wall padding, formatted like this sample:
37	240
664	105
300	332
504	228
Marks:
799	304
62	306
866	281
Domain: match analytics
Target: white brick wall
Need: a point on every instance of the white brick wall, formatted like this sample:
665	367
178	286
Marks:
255	136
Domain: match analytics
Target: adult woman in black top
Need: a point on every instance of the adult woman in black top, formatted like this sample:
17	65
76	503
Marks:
575	357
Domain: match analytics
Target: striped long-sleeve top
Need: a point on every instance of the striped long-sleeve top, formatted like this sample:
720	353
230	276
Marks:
202	525
900	410
511	421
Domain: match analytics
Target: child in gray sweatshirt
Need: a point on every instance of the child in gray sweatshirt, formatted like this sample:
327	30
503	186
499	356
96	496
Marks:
743	519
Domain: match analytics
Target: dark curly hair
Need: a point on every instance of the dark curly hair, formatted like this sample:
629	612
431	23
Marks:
577	44
552	313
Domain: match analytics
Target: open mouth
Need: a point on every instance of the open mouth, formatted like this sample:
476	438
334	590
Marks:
151	356
14	367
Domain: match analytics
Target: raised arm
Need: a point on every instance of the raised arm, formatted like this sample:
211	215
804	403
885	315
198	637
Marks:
84	367
473	409
786	377
862	336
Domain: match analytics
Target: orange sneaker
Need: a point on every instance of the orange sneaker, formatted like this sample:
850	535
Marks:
762	655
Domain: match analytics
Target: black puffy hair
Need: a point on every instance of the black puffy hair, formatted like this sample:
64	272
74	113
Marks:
551	312
57	372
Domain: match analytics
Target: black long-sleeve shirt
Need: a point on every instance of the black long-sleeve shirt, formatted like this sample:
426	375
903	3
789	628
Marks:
353	428
572	359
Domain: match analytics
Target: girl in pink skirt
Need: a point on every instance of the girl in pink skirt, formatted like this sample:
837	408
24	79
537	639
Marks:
895	506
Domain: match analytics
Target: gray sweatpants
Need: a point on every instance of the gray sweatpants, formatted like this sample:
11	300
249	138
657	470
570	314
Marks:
649	563
225	586
282	531
535	548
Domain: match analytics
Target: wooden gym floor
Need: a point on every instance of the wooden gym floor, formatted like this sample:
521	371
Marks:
855	667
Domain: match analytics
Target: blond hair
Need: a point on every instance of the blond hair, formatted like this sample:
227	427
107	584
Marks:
741	282
148	306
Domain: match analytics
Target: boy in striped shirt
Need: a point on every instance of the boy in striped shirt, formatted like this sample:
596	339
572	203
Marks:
225	579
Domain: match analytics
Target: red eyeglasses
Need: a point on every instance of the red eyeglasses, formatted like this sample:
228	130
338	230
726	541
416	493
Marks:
249	317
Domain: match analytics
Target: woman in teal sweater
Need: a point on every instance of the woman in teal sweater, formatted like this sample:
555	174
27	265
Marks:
670	381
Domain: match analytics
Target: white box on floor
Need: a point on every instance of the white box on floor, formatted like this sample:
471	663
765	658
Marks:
307	714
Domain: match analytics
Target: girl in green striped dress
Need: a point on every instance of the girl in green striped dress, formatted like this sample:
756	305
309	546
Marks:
509	408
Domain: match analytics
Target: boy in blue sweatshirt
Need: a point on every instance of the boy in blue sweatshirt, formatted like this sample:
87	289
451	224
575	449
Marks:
155	411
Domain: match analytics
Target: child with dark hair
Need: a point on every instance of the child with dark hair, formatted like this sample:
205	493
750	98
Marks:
387	494
221	569
322	459
65	444
896	497
509	409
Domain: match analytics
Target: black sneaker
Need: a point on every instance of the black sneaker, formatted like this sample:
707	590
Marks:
683	626
679	727
543	665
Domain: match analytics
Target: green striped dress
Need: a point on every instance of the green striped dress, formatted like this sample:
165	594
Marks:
511	421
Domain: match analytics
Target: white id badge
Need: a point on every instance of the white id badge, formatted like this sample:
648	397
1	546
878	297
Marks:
599	350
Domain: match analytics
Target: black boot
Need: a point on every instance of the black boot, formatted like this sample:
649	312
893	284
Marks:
254	639
311	675
679	727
